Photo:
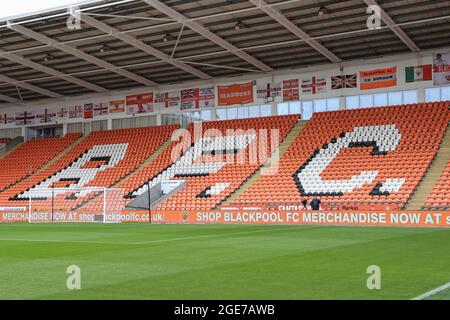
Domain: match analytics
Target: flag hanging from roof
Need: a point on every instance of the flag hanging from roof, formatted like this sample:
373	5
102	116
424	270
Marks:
314	85
378	78
75	112
291	90
6	118
165	100
160	100
46	116
441	68
236	94
344	81
207	97
268	90
190	98
419	73
88	111
140	103
61	112
197	98
100	109
117	106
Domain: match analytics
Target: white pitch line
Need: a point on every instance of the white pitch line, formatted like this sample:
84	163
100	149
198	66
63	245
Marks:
216	235
151	241
432	292
66	241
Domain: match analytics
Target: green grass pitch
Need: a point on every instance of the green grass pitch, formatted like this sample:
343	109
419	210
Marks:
131	261
444	295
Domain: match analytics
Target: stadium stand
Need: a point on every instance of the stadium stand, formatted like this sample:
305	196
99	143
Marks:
363	157
209	180
440	197
4	140
29	157
100	160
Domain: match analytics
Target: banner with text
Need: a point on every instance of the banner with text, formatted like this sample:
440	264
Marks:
280	217
235	94
379	78
296	217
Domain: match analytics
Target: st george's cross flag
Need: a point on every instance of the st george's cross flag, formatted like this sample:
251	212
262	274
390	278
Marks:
165	100
268	90
61	112
441	68
26	117
46	116
100	109
6	118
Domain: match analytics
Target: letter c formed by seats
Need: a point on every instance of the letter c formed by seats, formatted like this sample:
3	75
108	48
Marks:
382	138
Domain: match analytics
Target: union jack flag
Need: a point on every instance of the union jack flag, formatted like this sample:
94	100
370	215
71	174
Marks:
344	81
189	98
189	94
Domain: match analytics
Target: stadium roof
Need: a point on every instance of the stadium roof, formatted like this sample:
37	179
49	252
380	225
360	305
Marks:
172	41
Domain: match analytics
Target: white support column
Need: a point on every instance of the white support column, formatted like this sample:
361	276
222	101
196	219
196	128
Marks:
109	123
159	119
421	95
23	133
342	103
274	108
